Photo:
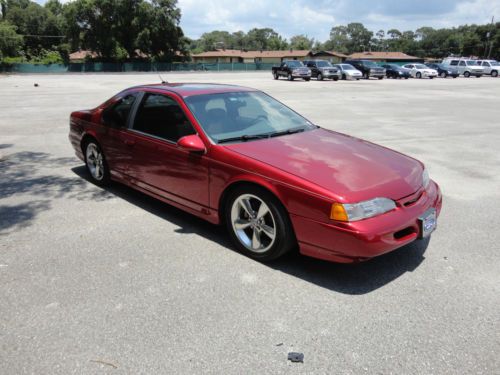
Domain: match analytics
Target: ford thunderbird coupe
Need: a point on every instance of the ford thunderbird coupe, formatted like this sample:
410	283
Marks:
236	156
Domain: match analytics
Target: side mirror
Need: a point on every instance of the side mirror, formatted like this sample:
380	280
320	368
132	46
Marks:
191	143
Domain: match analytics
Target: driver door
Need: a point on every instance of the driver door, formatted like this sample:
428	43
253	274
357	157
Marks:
158	164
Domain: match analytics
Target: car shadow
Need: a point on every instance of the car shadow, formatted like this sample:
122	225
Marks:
353	279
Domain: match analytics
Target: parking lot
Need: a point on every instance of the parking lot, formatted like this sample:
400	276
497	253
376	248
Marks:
109	280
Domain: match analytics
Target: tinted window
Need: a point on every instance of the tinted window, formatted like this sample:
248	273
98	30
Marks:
117	114
454	62
462	63
162	117
485	63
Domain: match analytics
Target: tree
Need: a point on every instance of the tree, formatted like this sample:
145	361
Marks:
301	42
339	40
10	41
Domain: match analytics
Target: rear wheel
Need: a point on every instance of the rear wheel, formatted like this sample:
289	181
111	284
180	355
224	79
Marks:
494	73
258	224
380	78
335	79
307	79
275	75
96	163
443	75
320	77
467	74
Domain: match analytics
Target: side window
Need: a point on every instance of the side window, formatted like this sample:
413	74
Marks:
485	63
117	114
454	62
162	117
462	63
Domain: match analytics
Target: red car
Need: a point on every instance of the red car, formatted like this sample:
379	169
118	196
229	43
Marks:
235	155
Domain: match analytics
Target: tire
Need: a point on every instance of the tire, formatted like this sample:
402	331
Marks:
275	75
335	79
289	77
443	75
494	73
262	240
366	76
96	164
431	77
319	77
344	77
418	75
380	78
307	79
466	74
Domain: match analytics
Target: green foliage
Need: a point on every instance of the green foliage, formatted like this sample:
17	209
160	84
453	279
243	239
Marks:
47	57
301	42
10	42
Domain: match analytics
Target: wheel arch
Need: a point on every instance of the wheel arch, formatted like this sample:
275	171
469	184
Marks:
85	139
251	182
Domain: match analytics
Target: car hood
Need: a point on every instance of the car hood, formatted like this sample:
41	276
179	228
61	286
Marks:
352	169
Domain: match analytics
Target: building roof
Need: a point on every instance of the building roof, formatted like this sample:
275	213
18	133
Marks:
330	53
383	56
81	55
253	54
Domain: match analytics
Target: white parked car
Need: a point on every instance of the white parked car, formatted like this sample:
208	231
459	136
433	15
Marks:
490	67
421	71
466	67
348	71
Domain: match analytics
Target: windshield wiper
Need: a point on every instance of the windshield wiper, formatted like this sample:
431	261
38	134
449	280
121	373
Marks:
243	138
289	131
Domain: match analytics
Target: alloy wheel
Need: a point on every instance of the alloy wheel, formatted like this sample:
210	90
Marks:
95	162
253	223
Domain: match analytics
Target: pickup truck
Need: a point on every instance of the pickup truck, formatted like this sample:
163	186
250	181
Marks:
321	69
367	68
292	69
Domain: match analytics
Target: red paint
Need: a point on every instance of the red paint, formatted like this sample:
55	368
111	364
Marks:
306	171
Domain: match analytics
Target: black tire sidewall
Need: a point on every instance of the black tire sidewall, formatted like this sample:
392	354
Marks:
285	237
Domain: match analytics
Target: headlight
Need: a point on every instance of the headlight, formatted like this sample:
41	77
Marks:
425	178
361	210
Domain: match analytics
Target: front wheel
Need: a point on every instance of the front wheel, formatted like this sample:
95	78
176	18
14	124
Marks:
258	224
443	75
380	78
335	79
275	75
320	77
289	77
307	79
466	74
96	163
418	75
494	73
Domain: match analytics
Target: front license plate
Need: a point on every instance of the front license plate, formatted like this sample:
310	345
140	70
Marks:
427	222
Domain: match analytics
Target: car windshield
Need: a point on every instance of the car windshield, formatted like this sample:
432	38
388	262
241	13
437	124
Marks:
240	116
494	62
323	64
420	66
294	64
370	64
348	67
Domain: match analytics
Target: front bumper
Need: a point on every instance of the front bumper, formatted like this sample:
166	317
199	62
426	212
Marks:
365	239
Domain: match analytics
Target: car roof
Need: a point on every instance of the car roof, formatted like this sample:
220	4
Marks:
192	89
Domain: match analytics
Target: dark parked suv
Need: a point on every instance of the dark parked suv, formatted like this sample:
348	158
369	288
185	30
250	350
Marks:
321	69
368	68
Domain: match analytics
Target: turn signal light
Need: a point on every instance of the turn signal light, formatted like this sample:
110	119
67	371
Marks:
338	212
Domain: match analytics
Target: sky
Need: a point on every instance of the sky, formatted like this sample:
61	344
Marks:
316	18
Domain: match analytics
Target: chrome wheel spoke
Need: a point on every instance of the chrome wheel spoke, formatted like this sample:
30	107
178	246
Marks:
241	224
263	210
256	240
245	204
268	231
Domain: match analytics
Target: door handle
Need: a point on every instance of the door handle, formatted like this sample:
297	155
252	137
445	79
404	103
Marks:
129	142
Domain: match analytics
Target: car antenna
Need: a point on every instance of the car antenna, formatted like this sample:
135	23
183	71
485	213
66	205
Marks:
162	81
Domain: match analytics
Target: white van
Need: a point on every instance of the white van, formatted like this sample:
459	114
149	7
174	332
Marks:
491	67
465	66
